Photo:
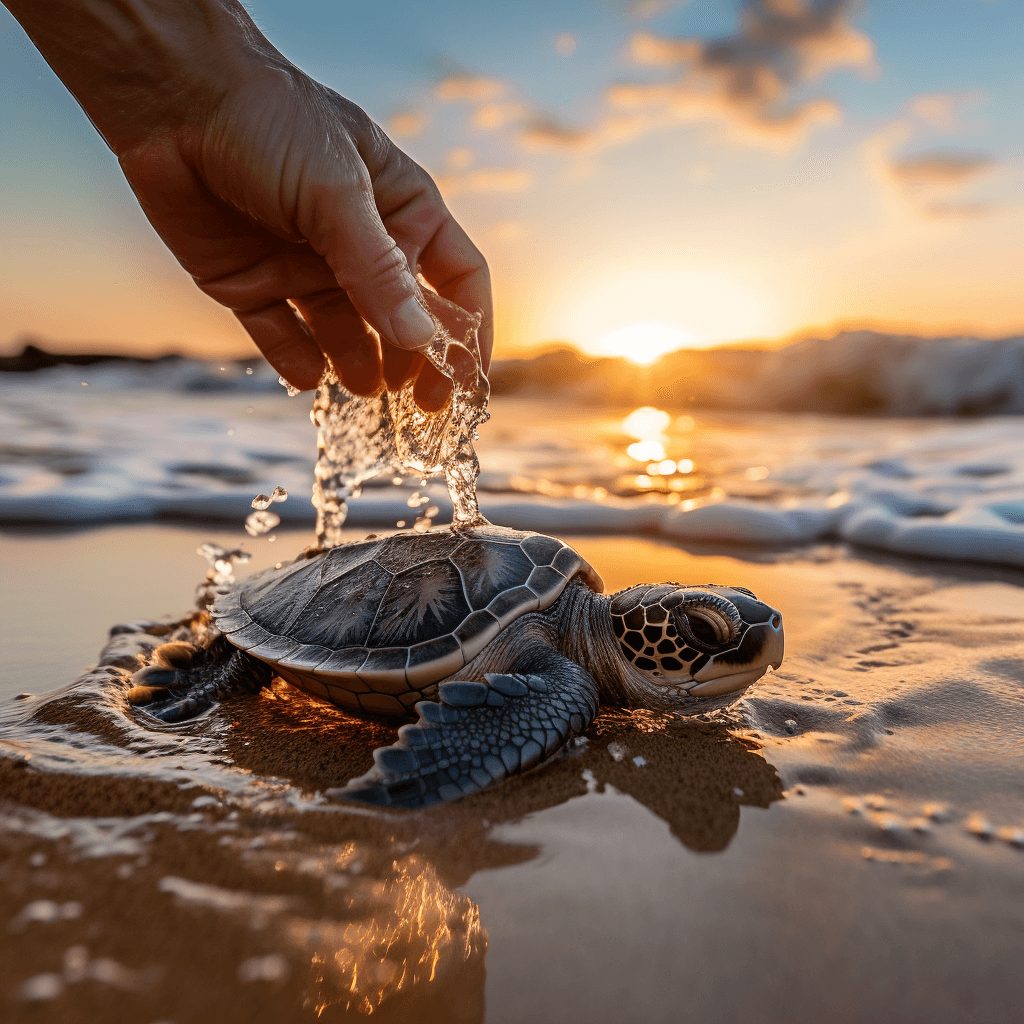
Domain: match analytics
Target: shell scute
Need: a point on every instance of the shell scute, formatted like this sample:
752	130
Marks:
541	549
349	660
338	561
625	601
434	660
422	603
250	636
567	562
381	704
487	569
546	583
478	630
384	670
275	598
404	551
359	592
307	657
512	603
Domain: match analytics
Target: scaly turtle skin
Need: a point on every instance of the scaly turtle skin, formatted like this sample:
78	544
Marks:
501	641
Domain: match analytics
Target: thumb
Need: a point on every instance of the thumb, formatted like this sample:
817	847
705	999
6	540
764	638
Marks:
372	269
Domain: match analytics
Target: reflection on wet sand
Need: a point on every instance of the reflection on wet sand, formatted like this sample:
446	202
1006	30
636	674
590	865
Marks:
421	951
252	883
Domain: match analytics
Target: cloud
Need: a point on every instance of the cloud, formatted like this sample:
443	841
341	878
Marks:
647	9
544	132
930	182
490	116
408	123
747	80
565	44
939	171
486	179
459	158
940	110
468	88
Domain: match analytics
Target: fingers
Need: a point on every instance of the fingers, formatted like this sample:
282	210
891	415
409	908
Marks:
345	338
416	217
457	269
287	344
368	264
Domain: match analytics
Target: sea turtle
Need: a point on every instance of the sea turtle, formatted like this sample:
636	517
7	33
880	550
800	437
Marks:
502	641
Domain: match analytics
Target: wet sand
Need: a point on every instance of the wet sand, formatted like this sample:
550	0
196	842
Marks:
846	845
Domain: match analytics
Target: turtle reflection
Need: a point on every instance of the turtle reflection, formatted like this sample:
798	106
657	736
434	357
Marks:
364	907
417	949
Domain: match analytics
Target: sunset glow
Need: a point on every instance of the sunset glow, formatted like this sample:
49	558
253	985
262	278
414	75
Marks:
642	343
629	196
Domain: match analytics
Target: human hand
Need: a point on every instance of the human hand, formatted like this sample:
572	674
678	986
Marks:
288	195
275	193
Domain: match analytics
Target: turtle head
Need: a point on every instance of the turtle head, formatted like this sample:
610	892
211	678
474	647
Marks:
685	642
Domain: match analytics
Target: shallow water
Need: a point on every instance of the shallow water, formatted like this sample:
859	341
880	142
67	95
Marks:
123	449
845	845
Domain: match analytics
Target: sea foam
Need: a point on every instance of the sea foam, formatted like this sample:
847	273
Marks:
131	447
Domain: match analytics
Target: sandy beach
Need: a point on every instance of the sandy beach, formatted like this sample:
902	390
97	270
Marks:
846	844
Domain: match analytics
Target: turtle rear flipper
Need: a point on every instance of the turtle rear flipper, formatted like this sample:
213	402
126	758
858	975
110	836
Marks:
479	733
182	685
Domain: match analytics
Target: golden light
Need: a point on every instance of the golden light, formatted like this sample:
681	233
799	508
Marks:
643	343
646	423
645	451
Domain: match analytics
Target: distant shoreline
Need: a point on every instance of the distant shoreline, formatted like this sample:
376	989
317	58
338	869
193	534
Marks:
850	373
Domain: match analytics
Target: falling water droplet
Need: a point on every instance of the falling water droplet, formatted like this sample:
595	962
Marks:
279	494
421	525
292	390
431	512
400	524
248	371
261	522
260	502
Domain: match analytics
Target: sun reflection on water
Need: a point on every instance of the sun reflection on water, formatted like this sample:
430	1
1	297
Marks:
420	932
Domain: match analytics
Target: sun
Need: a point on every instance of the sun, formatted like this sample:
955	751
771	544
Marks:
643	343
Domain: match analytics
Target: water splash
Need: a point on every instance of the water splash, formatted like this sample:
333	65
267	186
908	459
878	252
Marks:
221	573
262	501
360	437
261	522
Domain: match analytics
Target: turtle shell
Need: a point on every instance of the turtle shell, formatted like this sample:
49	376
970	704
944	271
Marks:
373	624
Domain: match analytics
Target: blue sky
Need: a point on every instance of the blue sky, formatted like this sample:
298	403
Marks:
610	160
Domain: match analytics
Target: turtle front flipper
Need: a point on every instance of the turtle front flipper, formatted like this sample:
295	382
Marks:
185	680
480	732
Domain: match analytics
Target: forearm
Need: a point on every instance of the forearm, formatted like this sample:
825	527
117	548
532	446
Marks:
139	67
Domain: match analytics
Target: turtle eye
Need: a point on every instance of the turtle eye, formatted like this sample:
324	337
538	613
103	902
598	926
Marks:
707	627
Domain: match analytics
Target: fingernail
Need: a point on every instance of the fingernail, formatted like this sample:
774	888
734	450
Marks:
412	325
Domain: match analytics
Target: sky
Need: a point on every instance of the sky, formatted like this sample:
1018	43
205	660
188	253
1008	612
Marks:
635	171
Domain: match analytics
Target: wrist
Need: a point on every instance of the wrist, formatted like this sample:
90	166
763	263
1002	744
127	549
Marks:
141	68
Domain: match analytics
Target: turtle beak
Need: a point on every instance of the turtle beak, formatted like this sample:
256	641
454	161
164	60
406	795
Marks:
763	644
